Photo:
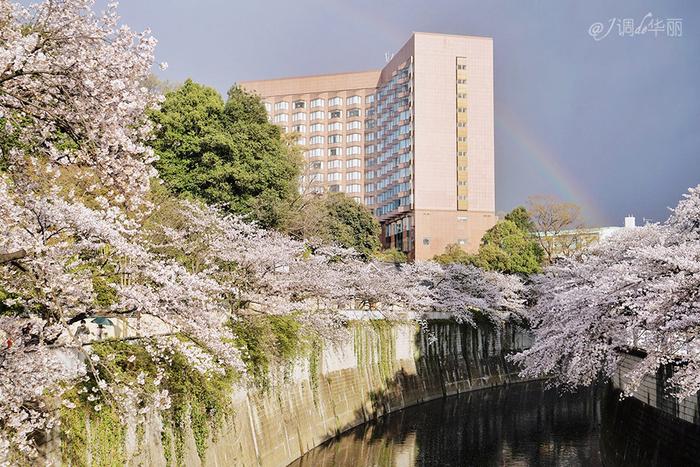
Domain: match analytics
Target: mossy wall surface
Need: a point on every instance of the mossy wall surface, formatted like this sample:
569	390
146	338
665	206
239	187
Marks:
381	367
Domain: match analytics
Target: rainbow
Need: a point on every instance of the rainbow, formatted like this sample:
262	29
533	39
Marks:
546	161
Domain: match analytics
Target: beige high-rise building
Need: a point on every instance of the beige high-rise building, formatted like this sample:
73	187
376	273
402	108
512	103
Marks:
413	141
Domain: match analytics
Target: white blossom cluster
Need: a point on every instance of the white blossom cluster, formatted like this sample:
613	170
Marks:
69	76
638	289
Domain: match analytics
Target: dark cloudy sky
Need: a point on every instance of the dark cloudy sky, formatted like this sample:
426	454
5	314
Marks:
613	124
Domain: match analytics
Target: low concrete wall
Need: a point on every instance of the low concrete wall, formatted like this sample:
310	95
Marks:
379	369
650	428
652	391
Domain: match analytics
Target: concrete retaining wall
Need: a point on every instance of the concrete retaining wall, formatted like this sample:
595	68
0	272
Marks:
378	369
652	391
650	428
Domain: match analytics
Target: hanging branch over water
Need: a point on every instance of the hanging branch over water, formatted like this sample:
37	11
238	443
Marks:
640	288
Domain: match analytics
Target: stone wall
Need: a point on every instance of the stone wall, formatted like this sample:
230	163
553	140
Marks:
379	368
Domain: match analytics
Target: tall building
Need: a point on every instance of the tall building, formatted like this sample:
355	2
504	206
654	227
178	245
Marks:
412	141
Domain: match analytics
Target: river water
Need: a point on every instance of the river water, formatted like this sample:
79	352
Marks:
517	425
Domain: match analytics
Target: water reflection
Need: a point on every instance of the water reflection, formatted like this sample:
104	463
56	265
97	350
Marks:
519	425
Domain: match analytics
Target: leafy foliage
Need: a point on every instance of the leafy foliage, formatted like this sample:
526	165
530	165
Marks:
335	218
351	225
521	218
391	255
264	341
454	254
224	153
508	247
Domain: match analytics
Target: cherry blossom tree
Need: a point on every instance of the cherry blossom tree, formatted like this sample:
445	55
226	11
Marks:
640	288
72	90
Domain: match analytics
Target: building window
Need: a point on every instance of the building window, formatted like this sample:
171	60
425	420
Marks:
354	137
335	164
316	127
353	113
299	128
316	177
282	106
335	101
299	104
335	139
335	152
352	100
316	140
317	103
369	99
353	176
335	176
301	141
318	165
315	153
461	95
356	125
353	189
334	188
337	126
357	199
461	81
280	118
353	163
369	149
369	187
268	106
426	241
298	116
369	136
354	150
318	115
461	67
335	114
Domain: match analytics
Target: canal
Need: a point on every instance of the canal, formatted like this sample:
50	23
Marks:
518	425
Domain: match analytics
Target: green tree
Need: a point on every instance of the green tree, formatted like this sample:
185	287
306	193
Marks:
391	255
507	247
454	254
521	218
334	217
351	224
225	153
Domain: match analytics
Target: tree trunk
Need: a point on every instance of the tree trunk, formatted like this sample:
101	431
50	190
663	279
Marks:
15	255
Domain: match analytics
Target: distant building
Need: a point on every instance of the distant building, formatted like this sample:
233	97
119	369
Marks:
413	141
570	241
